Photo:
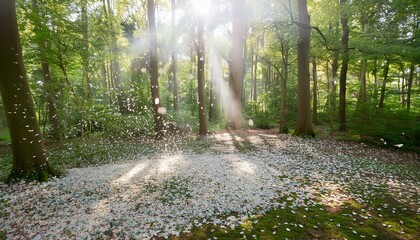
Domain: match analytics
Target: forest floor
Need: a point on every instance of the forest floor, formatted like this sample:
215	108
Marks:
251	184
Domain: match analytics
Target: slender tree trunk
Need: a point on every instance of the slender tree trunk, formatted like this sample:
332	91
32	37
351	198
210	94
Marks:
401	85
410	85
315	92
85	52
154	74
29	160
117	76
375	80
50	89
383	87
174	59
237	64
304	126
344	68
79	101
362	99
201	77
334	81
52	108
212	113
255	68
327	72
283	111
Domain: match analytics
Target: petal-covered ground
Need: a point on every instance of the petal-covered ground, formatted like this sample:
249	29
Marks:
235	177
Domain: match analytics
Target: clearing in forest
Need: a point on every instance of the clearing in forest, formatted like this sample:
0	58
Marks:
230	185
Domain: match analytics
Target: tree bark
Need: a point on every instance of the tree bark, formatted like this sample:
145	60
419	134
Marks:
383	87
154	71
201	77
334	81
363	91
283	111
174	59
85	52
410	86
236	64
29	160
375	80
52	108
304	127
344	67
314	92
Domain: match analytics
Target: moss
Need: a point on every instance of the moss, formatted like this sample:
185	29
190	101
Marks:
41	175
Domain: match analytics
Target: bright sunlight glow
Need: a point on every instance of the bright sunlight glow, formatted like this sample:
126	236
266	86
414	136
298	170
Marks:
202	7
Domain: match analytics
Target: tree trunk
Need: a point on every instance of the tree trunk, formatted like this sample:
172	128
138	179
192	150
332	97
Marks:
375	80
154	74
236	64
174	59
85	53
362	99
315	92
344	67
363	92
52	108
29	160
383	87
401	85
410	85
117	77
212	113
50	89
334	80
201	77
303	127
255	69
283	111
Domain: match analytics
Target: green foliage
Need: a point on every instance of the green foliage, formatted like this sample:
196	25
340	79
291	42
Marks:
387	128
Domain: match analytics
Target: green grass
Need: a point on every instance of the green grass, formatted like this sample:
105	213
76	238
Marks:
349	221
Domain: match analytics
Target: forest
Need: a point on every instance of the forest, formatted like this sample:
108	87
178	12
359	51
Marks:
217	119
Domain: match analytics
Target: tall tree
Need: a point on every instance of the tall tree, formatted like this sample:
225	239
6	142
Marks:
29	160
410	86
383	86
304	126
284	78
50	87
314	92
85	51
154	71
115	53
201	76
174	71
363	91
344	66
236	65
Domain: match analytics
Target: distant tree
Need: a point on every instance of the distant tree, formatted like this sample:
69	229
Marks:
236	65
284	48
410	86
314	92
29	160
174	70
344	66
121	98
304	126
384	81
43	52
201	77
154	71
